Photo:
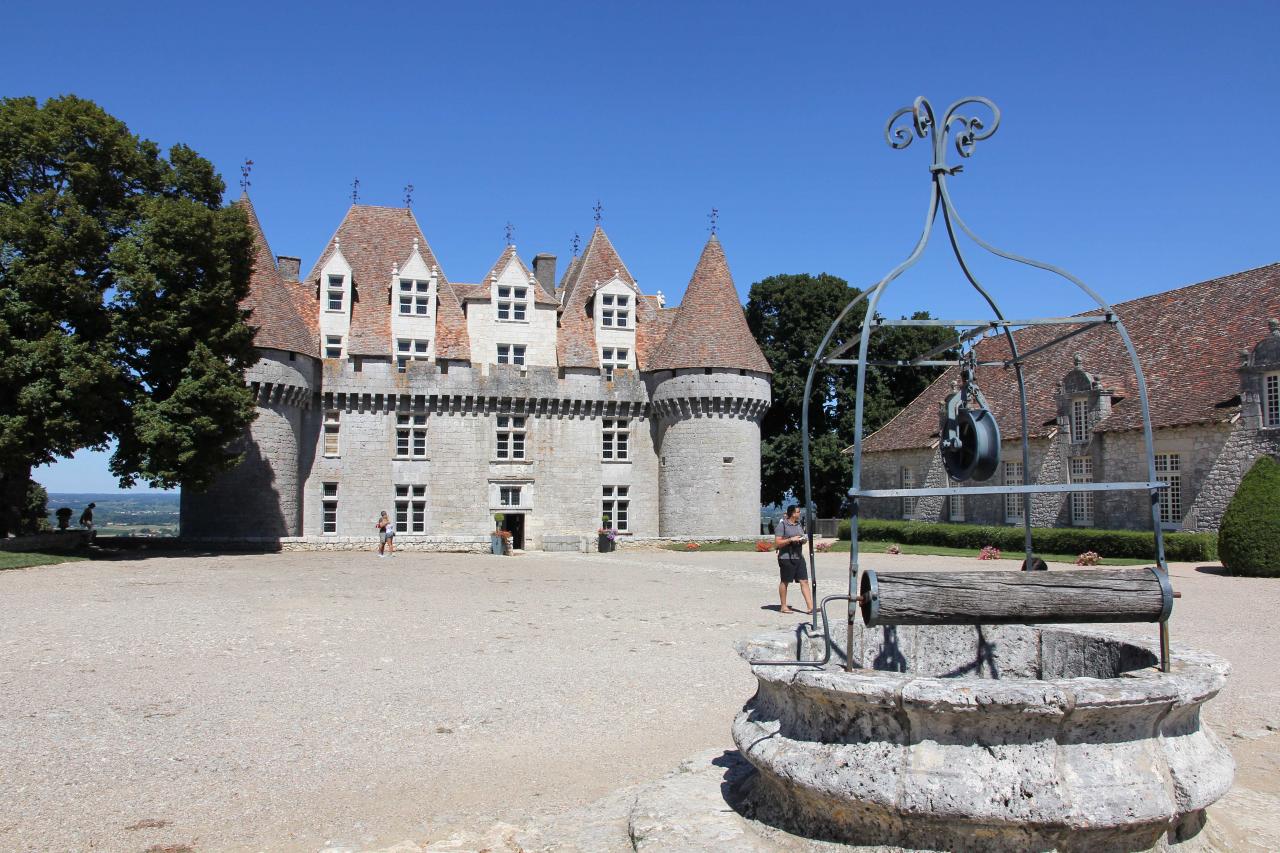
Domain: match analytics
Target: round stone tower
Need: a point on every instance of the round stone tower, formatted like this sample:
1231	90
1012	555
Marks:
261	498
709	383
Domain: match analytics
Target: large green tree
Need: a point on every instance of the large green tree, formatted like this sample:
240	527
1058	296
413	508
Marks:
121	275
789	314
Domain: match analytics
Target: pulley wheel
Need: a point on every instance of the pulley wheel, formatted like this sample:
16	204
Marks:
978	455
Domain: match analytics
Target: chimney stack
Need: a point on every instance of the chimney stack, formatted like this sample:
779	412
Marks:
544	270
288	267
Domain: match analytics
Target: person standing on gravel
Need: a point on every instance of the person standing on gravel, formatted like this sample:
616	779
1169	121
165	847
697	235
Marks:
789	542
386	536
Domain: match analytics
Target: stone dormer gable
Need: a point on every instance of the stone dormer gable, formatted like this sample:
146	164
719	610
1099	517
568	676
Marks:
412	297
1083	403
710	328
337	295
280	312
373	241
599	263
1260	381
513	289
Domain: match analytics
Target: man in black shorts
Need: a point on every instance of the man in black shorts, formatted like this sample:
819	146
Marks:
789	542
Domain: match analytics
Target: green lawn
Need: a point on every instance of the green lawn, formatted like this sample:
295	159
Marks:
22	559
842	547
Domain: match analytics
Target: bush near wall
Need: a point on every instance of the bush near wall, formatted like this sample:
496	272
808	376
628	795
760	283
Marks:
1249	538
1049	540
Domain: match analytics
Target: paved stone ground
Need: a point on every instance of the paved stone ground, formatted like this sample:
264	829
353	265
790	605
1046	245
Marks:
309	700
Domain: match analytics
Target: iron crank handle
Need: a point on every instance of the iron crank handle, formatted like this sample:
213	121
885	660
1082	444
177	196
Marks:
826	636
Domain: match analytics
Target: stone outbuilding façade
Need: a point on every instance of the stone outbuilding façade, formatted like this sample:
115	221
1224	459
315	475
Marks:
383	385
1211	356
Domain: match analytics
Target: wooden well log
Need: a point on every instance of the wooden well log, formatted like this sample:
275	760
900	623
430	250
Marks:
1015	598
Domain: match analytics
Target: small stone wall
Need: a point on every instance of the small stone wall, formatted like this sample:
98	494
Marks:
404	542
65	540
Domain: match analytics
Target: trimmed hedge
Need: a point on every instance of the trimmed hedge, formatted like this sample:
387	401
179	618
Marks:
1138	544
1249	538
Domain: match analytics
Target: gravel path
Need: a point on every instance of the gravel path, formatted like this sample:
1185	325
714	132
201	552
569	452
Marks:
288	701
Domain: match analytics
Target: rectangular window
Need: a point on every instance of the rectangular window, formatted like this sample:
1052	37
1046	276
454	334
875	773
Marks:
512	303
1271	400
329	502
1079	421
955	508
510	437
614	358
617	436
331	427
908	482
615	311
411	509
335	292
615	509
1082	502
333	346
411	349
511	353
415	297
509	496
1169	470
411	436
1013	504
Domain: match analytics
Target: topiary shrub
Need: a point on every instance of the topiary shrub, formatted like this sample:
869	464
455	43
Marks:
1249	537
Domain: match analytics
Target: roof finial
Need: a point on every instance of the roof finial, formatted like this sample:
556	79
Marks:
511	230
1274	325
245	168
1079	361
408	196
599	209
713	216
355	191
415	244
576	242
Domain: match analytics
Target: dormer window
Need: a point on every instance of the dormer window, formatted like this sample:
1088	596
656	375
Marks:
1079	421
408	349
415	297
614	358
335	293
615	310
511	353
1271	400
512	303
333	346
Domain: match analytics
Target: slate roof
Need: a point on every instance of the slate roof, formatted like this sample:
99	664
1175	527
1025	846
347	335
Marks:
710	327
281	314
1188	342
373	239
597	265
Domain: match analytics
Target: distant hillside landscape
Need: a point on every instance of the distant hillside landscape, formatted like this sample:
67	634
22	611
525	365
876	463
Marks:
122	513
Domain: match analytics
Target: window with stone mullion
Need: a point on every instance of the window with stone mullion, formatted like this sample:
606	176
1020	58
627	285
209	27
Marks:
512	303
510	439
616	508
616	440
1271	400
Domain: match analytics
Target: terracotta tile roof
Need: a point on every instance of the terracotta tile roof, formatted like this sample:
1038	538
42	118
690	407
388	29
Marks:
1188	342
652	326
373	239
598	264
279	308
710	329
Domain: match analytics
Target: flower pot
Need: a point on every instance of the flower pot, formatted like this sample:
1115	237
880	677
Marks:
604	543
496	545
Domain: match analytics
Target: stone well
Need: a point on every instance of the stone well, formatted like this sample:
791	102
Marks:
988	738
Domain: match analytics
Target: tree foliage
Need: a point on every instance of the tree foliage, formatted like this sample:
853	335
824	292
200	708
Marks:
1249	537
789	314
121	275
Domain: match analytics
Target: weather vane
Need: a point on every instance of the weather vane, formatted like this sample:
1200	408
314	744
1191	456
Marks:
511	230
576	242
598	209
245	169
713	216
408	196
355	191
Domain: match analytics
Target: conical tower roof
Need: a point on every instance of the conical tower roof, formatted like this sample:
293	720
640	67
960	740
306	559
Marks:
710	328
278	308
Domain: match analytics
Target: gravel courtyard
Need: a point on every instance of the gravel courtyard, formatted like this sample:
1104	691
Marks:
294	701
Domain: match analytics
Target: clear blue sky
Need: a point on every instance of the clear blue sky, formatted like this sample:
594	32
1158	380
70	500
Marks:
1138	147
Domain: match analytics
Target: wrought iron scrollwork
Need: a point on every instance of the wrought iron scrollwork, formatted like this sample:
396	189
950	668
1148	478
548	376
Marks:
966	131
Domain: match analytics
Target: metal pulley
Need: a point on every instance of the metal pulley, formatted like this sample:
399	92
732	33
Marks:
970	437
